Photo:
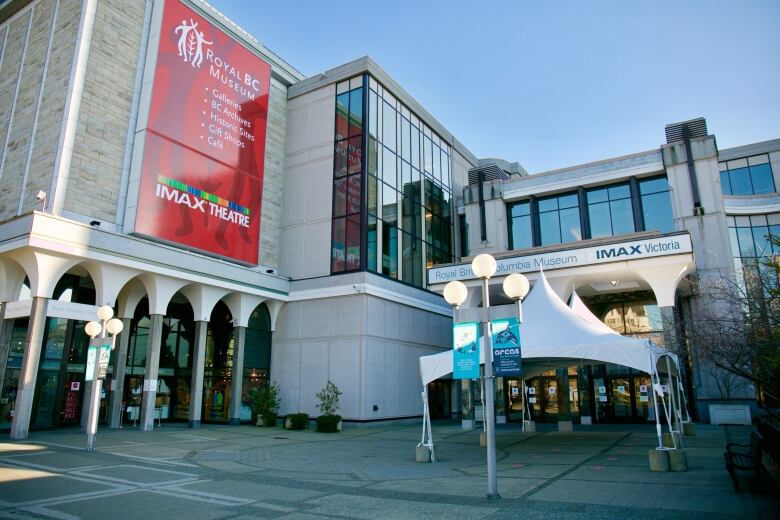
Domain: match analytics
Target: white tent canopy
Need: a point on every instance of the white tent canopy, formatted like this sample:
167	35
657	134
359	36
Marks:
551	330
553	334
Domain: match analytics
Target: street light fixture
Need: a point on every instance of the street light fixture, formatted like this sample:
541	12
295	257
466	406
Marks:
516	286
455	293
99	358
484	266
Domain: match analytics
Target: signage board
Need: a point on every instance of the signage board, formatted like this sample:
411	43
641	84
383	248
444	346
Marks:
465	350
92	355
506	347
577	257
105	354
202	167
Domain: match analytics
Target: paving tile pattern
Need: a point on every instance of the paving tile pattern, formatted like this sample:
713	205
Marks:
367	472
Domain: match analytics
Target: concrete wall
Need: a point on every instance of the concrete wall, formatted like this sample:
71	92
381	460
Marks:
37	54
308	184
368	346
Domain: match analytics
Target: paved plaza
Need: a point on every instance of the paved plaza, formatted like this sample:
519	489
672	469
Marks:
366	472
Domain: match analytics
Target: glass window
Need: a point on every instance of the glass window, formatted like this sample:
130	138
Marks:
356	112
521	235
406	139
389	174
656	204
389	250
610	211
342	116
737	178
388	126
559	219
372	119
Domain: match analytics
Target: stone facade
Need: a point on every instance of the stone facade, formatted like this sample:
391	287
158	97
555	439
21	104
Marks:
99	148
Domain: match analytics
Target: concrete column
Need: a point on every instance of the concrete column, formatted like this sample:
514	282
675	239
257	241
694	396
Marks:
6	327
150	372
198	364
669	324
564	404
499	401
32	354
238	375
116	409
467	404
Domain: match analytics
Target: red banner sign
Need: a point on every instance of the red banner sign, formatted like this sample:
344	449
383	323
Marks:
202	172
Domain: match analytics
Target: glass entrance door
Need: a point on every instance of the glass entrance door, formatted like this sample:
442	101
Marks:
621	398
514	397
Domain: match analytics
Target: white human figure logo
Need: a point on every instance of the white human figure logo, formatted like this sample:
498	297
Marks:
197	59
185	51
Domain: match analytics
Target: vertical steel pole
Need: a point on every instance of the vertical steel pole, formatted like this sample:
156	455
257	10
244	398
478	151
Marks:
490	423
94	398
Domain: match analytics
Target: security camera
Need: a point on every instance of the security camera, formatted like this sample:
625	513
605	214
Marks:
41	197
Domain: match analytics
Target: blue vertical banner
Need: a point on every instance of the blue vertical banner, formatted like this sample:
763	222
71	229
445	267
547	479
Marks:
465	350
506	347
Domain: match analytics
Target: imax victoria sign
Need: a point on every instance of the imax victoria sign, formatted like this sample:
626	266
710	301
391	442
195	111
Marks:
632	250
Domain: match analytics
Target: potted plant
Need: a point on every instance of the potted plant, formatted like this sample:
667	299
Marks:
297	421
329	421
265	405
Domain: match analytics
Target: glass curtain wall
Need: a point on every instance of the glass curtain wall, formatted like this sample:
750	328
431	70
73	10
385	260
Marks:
610	210
751	248
747	176
408	206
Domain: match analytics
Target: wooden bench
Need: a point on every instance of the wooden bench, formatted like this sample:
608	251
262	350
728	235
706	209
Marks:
746	458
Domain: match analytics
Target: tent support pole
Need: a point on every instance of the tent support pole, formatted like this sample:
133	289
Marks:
657	381
674	405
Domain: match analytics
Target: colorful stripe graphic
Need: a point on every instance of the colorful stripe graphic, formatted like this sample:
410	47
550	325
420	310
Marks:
173	183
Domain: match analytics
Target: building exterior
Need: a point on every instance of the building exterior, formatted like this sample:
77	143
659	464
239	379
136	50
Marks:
250	225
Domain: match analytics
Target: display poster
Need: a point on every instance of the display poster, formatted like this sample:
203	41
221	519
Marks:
202	170
506	347
515	390
105	354
531	390
465	350
92	355
532	400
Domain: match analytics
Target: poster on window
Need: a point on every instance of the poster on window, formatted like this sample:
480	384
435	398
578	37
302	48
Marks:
465	350
506	347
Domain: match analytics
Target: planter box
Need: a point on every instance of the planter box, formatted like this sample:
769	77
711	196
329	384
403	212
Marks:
730	414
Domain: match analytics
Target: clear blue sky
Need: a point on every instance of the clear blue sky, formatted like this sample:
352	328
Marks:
550	84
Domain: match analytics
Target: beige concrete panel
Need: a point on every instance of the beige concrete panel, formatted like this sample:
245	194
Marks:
317	317
374	316
319	191
288	324
406	318
292	247
317	249
286	372
294	206
346	315
344	371
314	369
392	320
375	377
99	146
391	375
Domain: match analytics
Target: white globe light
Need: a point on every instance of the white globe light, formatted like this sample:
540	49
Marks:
114	326
516	286
455	293
105	312
483	266
92	329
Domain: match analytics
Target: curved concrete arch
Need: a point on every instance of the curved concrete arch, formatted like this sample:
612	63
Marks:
241	306
43	269
274	306
129	297
160	290
11	279
109	280
203	298
664	279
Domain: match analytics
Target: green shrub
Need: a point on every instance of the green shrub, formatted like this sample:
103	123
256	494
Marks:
328	423
298	421
329	399
265	404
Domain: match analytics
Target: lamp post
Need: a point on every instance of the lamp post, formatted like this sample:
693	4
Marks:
484	266
97	362
516	287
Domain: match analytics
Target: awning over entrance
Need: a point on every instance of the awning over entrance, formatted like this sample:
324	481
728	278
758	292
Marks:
552	331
